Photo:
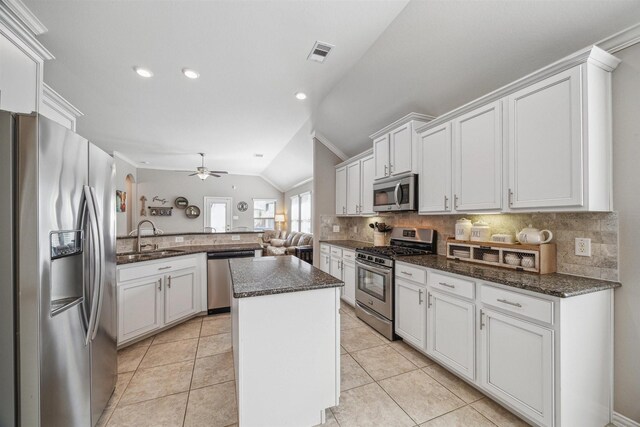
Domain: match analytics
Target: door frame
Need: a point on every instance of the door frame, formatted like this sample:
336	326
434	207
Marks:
207	210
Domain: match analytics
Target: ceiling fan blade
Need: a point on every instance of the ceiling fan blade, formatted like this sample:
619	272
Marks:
220	172
213	174
194	174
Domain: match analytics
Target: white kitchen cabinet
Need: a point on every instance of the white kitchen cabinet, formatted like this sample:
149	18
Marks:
18	79
451	332
336	267
517	364
400	150
381	156
341	191
353	188
367	172
325	258
434	151
181	295
340	263
140	307
349	279
477	170
411	312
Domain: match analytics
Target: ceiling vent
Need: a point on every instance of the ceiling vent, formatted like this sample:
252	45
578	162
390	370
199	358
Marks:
320	51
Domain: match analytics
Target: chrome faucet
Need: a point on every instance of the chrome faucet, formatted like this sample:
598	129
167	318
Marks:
139	246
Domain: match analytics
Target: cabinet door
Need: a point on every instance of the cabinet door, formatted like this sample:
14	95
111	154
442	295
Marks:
341	191
434	151
139	307
545	143
325	263
478	159
367	171
517	364
181	292
353	188
18	79
451	333
401	150
349	279
411	313
381	155
336	267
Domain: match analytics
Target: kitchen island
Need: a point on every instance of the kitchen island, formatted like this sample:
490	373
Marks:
286	341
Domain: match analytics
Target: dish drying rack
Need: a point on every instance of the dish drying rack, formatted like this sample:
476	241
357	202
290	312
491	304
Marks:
505	255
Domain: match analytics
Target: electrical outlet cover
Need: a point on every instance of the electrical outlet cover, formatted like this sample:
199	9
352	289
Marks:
583	246
179	239
336	228
235	237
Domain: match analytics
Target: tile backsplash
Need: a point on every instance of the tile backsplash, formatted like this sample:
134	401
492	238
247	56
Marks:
600	227
128	244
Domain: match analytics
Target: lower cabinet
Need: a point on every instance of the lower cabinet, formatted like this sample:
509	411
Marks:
451	332
180	295
349	279
411	313
139	308
518	364
340	263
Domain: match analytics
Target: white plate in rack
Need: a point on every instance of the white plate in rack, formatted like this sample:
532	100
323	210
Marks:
490	257
461	254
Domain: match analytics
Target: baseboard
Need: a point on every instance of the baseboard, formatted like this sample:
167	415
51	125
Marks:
620	420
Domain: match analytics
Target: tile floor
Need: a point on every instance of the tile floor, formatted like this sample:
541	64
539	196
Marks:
184	377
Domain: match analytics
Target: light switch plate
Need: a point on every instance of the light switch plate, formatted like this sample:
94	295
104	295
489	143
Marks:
336	228
235	217
179	239
235	237
583	246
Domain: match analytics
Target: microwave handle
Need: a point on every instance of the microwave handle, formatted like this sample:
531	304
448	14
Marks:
395	193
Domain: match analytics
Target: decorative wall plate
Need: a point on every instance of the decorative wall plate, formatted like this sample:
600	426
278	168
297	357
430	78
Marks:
243	206
192	211
181	202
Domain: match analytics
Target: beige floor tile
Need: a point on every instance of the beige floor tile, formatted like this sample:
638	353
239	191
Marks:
422	397
342	350
159	381
180	332
212	406
348	322
143	343
212	370
121	385
214	325
414	356
197	319
382	362
351	374
463	417
347	309
172	352
129	358
359	338
166	412
214	344
329	420
457	386
369	405
497	414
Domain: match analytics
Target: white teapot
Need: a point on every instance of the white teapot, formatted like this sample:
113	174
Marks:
534	236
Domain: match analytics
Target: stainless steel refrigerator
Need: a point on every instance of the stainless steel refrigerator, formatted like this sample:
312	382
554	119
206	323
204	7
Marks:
57	298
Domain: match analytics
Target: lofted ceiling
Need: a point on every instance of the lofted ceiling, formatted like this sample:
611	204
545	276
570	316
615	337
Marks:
251	56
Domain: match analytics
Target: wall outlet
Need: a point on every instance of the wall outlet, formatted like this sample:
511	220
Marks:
583	246
179	239
355	229
235	217
336	228
235	237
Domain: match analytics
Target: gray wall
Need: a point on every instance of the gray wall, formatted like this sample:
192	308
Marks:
124	168
307	186
626	155
170	184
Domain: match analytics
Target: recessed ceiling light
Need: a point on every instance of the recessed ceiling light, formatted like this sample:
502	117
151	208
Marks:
301	95
258	155
143	72
192	74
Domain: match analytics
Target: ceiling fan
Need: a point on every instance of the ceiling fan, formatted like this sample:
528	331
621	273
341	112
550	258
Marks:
203	173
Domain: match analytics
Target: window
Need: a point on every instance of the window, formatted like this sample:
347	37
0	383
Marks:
264	214
301	212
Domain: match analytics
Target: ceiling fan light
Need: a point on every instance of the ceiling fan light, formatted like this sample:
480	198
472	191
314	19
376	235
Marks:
203	176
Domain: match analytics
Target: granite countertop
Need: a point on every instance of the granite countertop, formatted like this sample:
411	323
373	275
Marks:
187	250
554	284
191	233
348	244
254	277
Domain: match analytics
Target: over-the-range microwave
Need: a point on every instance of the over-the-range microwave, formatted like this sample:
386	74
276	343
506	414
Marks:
396	193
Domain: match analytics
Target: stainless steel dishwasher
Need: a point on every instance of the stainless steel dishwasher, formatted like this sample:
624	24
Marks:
219	279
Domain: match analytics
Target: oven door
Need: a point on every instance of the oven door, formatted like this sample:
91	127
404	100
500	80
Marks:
373	288
397	194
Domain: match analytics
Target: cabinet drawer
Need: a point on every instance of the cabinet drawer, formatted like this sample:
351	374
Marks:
452	285
408	272
336	251
514	302
149	268
325	249
348	255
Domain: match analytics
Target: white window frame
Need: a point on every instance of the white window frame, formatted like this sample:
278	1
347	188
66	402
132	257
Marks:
275	209
299	221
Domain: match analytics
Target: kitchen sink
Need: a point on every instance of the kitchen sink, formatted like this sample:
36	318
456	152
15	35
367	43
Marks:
138	256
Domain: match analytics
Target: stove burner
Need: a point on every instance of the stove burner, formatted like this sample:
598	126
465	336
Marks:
392	251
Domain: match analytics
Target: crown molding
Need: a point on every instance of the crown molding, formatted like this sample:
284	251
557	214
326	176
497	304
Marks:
28	18
366	153
273	184
304	181
622	40
126	159
56	101
402	121
335	150
13	27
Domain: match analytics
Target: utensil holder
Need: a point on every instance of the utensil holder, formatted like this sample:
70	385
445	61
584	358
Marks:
379	239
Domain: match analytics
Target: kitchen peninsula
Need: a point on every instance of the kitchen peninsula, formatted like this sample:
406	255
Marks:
286	341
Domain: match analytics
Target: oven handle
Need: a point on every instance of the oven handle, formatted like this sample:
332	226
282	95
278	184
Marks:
395	194
371	313
382	270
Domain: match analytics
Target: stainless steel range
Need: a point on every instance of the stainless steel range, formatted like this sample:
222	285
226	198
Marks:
375	275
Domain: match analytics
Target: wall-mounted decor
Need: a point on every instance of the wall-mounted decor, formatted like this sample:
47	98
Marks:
243	206
143	209
158	199
181	202
192	211
121	201
160	211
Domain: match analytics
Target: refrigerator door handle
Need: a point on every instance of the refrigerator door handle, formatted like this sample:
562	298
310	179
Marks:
100	292
93	226
83	309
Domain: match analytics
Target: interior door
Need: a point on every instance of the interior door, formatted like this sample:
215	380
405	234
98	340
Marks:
434	177
217	214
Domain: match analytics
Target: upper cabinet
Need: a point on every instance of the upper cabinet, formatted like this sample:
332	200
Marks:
556	155
395	148
367	171
354	185
341	190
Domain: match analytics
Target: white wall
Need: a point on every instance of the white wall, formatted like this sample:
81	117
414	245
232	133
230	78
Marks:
626	156
123	169
170	184
303	188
